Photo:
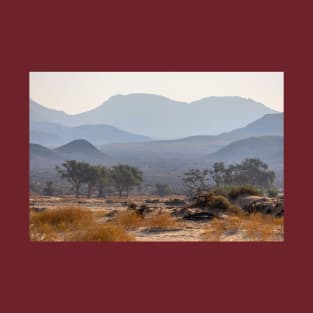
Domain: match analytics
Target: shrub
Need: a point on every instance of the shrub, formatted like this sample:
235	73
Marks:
235	209
128	220
219	191
272	193
220	202
60	218
104	233
160	222
132	206
237	191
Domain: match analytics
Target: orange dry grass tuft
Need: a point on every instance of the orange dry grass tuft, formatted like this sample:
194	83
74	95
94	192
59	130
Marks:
104	233
128	220
215	230
264	227
253	227
47	224
161	221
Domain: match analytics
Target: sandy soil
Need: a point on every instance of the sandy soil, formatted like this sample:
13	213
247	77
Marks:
185	231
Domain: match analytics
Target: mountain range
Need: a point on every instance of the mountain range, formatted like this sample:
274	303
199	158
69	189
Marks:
156	116
166	160
53	134
81	150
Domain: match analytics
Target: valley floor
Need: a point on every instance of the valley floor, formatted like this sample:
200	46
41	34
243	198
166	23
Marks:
69	219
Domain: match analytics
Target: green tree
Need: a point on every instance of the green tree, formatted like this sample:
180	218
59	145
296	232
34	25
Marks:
104	179
125	177
49	189
162	190
250	171
91	177
219	173
74	172
195	181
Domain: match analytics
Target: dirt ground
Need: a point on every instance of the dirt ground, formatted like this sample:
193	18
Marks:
183	231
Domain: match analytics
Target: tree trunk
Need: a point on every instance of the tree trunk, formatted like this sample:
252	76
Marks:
89	191
100	191
77	190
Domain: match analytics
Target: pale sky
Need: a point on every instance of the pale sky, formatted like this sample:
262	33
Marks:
76	92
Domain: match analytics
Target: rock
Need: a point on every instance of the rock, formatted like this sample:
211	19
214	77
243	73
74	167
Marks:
198	216
143	210
175	202
152	201
273	206
245	201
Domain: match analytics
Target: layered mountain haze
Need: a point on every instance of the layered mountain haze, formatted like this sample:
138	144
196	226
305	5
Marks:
268	125
267	148
108	135
80	150
53	134
159	117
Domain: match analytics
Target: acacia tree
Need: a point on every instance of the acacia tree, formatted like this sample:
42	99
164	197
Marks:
74	172
103	179
91	177
250	171
162	190
219	173
49	189
195	181
124	177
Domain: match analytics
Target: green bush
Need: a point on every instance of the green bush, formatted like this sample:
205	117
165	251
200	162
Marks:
237	191
272	193
220	202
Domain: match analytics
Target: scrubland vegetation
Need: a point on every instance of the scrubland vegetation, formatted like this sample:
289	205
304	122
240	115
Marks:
235	207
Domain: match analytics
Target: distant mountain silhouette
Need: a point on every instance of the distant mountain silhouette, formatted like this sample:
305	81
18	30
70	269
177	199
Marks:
269	149
78	146
39	113
41	151
268	125
80	150
161	118
53	134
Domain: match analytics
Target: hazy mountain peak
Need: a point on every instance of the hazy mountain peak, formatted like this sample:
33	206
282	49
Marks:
159	117
78	146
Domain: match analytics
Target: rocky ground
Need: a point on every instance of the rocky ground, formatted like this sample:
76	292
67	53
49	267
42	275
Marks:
190	221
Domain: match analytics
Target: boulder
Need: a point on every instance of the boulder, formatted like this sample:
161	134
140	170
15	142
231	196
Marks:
273	206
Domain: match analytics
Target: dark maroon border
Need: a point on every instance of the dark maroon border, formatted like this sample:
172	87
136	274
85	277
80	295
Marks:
146	36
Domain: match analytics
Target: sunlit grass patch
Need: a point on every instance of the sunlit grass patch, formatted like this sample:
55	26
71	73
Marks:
109	232
160	221
253	227
48	224
128	220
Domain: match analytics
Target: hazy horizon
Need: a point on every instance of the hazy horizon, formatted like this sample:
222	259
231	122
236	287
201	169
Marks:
77	92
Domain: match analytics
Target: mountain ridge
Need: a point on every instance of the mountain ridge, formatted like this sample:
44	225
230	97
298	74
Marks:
159	117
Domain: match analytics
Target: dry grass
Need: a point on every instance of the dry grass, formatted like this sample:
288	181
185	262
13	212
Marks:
253	227
128	220
161	221
75	224
61	218
215	231
109	232
53	224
